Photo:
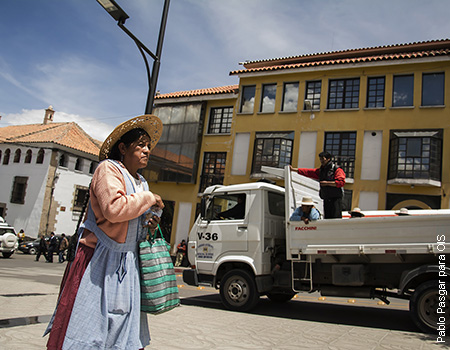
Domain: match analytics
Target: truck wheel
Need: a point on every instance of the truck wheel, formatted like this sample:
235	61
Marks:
7	255
424	305
280	297
238	290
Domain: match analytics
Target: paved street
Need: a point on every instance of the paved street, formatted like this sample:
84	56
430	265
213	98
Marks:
28	292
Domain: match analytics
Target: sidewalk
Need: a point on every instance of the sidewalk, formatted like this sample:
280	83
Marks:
189	326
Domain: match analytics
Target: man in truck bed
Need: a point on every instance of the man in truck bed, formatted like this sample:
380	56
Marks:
332	181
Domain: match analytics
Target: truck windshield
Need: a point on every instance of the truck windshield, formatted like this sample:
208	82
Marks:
229	206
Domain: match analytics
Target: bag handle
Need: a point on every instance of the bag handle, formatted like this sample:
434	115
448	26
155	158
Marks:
152	236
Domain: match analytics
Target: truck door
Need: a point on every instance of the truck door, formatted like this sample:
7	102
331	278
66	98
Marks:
224	229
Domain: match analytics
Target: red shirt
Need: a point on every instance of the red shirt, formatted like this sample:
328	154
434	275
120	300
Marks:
339	175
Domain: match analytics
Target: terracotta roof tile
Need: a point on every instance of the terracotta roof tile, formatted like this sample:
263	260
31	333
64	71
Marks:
383	53
63	134
228	89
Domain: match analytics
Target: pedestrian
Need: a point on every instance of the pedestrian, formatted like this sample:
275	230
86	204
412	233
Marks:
332	180
63	244
181	253
21	236
99	303
52	247
42	248
306	212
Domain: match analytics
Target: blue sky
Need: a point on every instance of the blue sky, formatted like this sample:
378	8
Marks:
72	55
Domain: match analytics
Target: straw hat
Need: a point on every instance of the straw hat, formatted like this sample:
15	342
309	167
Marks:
356	212
150	123
307	201
402	211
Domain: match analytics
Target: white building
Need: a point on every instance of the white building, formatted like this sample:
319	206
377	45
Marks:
45	172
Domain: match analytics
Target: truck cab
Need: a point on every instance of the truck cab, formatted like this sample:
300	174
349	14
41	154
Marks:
222	240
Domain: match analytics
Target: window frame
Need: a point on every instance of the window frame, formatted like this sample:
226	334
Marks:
215	174
266	90
29	156
379	92
77	205
287	149
312	96
410	165
19	189
283	102
223	120
395	79
347	88
243	100
442	97
345	161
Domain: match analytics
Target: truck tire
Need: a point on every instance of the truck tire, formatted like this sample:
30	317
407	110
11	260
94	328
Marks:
7	255
424	306
280	297
238	290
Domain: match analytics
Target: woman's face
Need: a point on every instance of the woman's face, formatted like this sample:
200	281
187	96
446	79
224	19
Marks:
136	155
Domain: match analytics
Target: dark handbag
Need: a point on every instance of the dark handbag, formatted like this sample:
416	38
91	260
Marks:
159	291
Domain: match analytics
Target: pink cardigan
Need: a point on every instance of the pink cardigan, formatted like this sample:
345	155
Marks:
112	207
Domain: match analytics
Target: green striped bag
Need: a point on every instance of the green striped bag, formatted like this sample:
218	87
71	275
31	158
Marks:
159	291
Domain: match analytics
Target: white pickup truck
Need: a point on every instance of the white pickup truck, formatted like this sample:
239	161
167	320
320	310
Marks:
378	256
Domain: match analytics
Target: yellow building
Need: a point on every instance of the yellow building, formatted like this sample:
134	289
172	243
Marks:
380	111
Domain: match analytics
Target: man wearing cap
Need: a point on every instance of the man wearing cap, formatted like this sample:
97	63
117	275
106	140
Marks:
306	212
332	181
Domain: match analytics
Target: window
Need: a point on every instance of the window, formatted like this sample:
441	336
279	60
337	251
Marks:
17	155
290	97
0	158
92	167
19	189
312	93
220	120
342	146
28	156
269	92
232	204
175	157
81	194
403	91
433	89
40	157
375	92
79	164
276	204
6	157
343	93
415	155
272	149
63	160
213	169
248	99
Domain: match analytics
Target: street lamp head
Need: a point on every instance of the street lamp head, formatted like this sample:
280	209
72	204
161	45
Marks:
114	10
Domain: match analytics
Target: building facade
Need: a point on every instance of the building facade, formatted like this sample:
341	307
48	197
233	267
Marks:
45	172
382	113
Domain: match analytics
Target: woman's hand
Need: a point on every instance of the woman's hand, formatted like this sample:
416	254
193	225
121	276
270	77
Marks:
159	202
152	223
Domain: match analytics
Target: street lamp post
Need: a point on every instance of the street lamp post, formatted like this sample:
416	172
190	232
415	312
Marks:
120	16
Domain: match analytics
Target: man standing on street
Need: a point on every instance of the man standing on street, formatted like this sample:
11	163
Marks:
52	247
42	248
332	180
63	245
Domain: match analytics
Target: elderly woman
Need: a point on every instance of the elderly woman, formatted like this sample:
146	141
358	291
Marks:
99	303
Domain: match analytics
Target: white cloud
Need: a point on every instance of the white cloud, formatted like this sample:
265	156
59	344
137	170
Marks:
91	126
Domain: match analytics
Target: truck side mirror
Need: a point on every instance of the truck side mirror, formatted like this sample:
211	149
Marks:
203	208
